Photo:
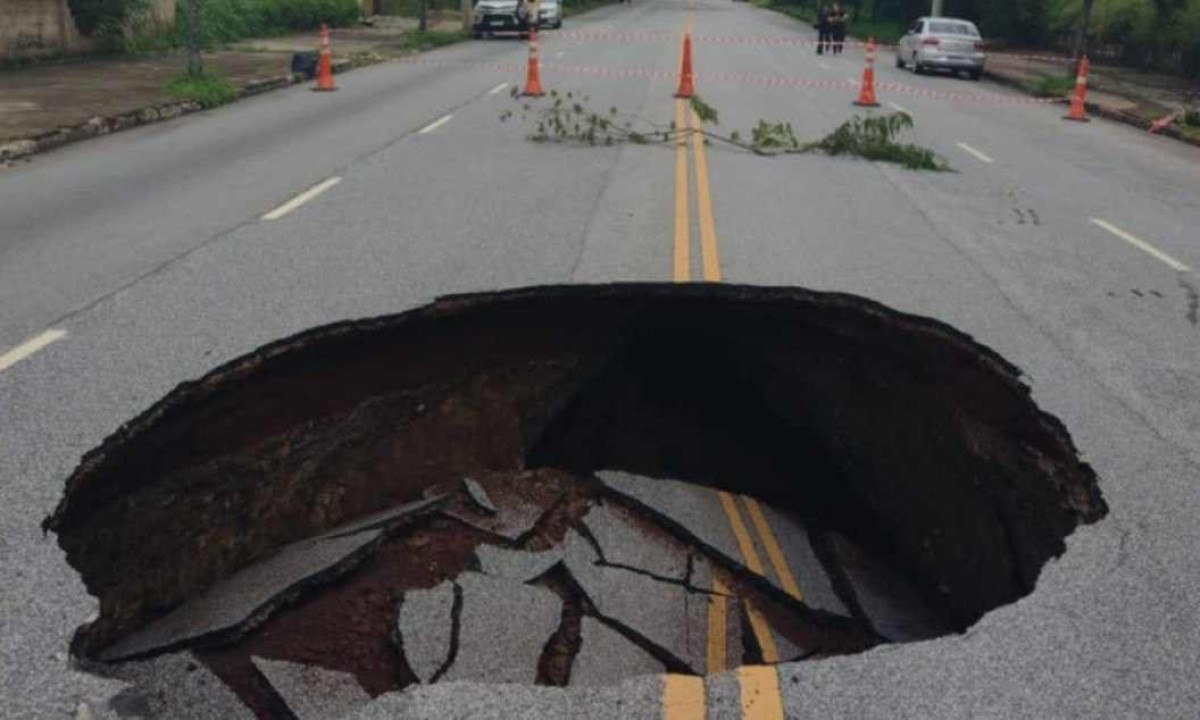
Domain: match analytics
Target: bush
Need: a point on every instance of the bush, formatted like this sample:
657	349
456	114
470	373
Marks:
1191	117
210	89
1051	86
224	21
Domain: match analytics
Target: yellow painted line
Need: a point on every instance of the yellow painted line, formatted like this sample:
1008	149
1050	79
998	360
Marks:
771	544
758	624
708	233
683	262
718	626
762	633
683	698
759	686
745	544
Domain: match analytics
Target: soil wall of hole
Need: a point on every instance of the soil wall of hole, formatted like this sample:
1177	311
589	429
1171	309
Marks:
897	430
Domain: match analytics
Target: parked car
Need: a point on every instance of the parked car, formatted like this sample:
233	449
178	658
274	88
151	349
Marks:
497	16
940	43
549	14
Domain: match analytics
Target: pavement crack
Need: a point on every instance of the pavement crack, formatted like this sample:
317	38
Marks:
455	629
558	656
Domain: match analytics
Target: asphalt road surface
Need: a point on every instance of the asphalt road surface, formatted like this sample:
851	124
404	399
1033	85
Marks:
134	262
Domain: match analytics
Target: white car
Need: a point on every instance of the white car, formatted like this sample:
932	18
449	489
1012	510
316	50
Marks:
940	43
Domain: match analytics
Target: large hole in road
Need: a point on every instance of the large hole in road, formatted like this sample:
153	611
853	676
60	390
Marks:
894	435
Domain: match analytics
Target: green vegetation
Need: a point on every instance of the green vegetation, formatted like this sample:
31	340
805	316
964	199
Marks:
1054	86
417	41
224	21
566	119
210	89
1191	118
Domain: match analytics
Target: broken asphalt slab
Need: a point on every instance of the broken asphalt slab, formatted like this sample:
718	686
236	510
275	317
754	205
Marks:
425	629
176	686
606	656
664	615
517	508
519	565
503	627
311	692
623	543
237	603
479	496
696	512
808	572
636	699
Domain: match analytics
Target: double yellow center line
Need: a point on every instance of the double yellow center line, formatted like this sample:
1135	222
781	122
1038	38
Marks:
710	263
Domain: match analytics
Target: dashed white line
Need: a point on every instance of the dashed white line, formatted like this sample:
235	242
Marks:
980	156
29	347
1141	245
435	125
899	107
302	198
498	88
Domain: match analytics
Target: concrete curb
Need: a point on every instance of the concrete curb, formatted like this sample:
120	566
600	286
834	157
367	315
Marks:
107	124
1120	116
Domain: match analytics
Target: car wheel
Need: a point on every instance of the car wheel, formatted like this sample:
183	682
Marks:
975	74
917	67
558	25
899	61
478	35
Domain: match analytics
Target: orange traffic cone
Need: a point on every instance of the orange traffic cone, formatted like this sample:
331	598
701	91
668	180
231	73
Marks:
866	92
687	84
533	79
1078	112
324	64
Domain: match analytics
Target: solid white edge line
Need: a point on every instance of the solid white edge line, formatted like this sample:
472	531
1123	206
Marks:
435	125
498	88
302	198
976	153
900	108
1141	245
29	347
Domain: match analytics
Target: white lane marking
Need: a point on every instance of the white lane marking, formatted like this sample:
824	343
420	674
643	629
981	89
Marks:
302	198
825	66
853	79
435	125
498	88
899	107
976	153
1141	245
29	347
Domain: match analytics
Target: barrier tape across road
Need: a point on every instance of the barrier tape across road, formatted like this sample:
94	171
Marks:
741	79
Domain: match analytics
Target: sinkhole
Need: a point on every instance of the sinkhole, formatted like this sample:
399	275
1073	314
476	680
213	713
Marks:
827	473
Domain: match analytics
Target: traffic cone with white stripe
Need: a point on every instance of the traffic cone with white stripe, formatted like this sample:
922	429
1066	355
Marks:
533	78
687	83
1078	111
324	64
866	92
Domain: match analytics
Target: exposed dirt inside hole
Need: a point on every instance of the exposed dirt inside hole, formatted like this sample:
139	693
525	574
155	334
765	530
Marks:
905	435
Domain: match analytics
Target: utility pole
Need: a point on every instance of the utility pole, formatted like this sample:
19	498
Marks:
421	15
1085	19
195	65
938	5
468	15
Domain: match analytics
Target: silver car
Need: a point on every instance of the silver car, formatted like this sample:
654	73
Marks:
940	43
549	13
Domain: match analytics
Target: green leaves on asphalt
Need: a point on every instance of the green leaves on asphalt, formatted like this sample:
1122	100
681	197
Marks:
567	119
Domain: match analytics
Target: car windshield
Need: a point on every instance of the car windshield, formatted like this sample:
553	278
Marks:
953	28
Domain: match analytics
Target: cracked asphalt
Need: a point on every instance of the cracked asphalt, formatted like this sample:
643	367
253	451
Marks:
141	261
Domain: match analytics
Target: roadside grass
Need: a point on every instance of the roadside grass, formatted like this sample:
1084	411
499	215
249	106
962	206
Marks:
1050	86
418	41
1191	117
210	89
